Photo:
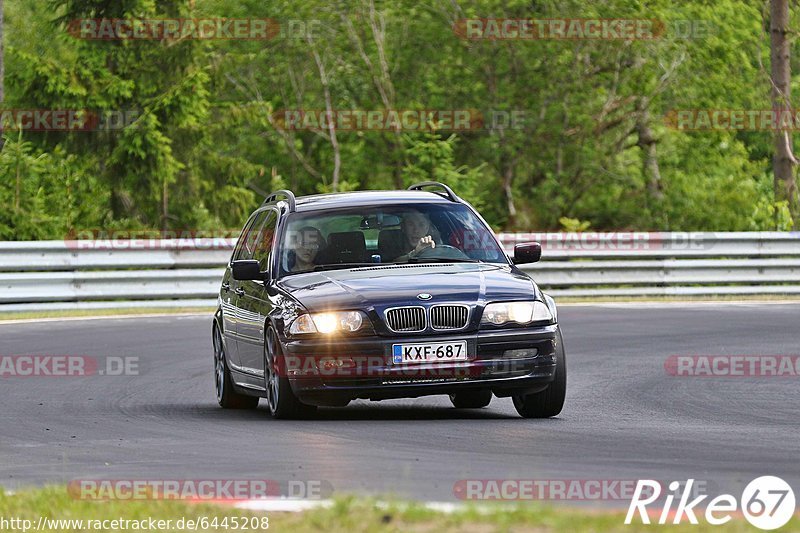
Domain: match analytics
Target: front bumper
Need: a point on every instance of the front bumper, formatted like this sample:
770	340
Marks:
507	361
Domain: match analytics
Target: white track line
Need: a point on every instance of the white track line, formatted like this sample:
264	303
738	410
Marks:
102	317
282	505
297	506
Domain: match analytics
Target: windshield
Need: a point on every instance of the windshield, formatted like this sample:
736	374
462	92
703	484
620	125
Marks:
407	233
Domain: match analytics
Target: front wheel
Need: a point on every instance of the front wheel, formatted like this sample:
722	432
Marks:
471	399
550	401
226	396
281	399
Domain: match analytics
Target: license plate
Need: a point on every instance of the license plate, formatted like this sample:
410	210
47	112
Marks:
429	352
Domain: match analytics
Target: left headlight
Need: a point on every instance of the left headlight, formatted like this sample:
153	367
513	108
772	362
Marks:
500	313
327	323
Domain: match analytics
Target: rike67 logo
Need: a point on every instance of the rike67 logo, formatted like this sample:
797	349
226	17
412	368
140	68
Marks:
767	503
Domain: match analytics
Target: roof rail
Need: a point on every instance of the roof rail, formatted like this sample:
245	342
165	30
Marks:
447	191
283	192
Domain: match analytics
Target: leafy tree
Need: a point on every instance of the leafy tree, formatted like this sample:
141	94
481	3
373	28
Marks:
575	133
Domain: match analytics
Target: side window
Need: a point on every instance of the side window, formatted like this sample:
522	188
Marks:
237	250
263	243
247	241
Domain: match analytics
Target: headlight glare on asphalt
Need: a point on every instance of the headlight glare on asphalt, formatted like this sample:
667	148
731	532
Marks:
328	323
501	313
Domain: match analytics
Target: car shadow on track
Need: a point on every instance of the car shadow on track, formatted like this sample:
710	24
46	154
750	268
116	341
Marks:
406	412
356	412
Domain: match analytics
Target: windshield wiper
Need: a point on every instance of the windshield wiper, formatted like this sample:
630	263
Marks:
338	266
440	260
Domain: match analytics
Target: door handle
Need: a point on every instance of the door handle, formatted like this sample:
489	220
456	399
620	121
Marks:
239	291
226	286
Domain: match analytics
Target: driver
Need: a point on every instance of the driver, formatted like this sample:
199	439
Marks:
418	234
306	248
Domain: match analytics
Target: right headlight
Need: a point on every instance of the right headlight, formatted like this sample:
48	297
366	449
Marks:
500	313
329	323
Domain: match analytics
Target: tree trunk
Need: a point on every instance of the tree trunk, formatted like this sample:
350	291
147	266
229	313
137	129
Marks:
508	189
337	158
647	143
2	65
783	161
164	206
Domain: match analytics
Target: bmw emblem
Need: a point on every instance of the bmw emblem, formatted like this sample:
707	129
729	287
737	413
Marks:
424	296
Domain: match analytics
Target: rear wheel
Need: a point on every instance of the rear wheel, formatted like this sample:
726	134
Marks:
471	399
226	396
550	401
280	397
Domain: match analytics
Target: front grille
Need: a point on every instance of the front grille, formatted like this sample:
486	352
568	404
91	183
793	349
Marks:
449	316
406	319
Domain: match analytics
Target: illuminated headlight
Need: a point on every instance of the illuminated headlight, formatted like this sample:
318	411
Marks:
501	313
327	323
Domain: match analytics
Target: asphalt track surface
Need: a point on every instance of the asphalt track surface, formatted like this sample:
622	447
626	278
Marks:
625	416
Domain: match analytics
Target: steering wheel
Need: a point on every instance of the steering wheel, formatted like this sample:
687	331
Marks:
442	251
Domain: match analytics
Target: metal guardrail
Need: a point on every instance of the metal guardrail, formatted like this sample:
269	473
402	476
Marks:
187	273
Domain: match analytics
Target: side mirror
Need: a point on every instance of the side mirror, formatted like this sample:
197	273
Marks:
529	252
247	269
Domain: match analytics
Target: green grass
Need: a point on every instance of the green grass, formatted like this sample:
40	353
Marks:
70	313
348	514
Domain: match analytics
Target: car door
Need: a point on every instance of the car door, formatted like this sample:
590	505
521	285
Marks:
254	305
227	303
232	290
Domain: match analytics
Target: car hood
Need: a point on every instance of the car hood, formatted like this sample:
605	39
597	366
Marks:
397	285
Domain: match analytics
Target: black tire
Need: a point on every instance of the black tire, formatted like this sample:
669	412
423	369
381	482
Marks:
550	401
282	402
471	399
227	397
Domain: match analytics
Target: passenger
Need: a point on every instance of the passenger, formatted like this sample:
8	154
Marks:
418	234
309	242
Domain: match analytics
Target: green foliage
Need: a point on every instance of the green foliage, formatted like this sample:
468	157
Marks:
431	158
205	146
573	224
44	193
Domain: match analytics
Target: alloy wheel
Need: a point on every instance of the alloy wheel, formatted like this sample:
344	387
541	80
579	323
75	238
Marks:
271	379
219	365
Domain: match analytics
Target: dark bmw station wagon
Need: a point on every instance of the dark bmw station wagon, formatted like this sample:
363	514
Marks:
378	295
